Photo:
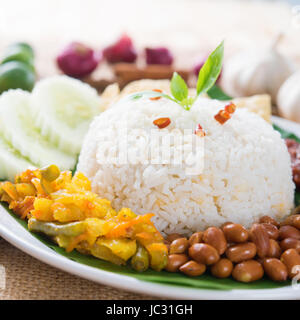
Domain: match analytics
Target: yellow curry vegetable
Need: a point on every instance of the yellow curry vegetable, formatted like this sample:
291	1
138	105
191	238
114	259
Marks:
64	208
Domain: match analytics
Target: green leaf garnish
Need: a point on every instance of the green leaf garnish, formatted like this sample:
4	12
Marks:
208	75
211	69
179	88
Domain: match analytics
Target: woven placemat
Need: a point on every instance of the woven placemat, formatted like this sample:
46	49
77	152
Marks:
28	278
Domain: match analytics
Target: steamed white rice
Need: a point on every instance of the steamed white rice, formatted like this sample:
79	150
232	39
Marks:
247	170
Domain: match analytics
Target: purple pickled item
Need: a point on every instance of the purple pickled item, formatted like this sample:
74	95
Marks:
122	51
78	60
159	55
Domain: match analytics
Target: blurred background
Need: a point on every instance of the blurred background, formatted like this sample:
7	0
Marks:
120	41
187	27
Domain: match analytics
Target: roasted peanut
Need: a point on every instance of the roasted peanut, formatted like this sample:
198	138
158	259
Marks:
296	210
222	269
272	230
248	271
179	246
204	253
267	219
175	261
215	237
291	258
50	173
290	243
289	232
260	238
193	269
293	220
260	260
274	250
225	224
195	238
296	221
275	269
235	232
173	236
241	252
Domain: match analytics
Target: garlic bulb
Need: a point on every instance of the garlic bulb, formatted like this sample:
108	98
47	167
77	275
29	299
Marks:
288	99
256	72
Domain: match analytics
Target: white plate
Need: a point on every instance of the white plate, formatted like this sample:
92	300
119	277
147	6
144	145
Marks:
14	233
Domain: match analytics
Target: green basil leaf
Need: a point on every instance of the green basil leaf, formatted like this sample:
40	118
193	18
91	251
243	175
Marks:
179	89
211	69
187	103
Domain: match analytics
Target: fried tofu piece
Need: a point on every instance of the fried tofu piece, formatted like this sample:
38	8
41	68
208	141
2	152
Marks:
146	85
259	104
110	95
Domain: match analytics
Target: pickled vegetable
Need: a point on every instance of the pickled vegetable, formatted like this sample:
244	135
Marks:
102	252
123	248
50	173
140	260
64	208
158	256
54	229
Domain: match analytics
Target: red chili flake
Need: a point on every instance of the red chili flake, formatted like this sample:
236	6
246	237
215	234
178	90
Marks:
162	122
199	131
156	98
222	116
230	108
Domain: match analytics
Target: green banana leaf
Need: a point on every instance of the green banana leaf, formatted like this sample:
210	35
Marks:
205	281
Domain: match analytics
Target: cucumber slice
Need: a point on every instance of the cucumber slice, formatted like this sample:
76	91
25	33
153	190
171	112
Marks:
11	161
63	108
17	128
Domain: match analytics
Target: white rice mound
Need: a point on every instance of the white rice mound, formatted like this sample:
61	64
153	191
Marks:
247	169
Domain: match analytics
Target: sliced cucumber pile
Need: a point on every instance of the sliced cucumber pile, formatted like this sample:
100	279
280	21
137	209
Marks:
11	161
63	108
46	126
18	129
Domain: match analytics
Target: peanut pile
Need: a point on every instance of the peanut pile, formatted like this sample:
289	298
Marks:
268	247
